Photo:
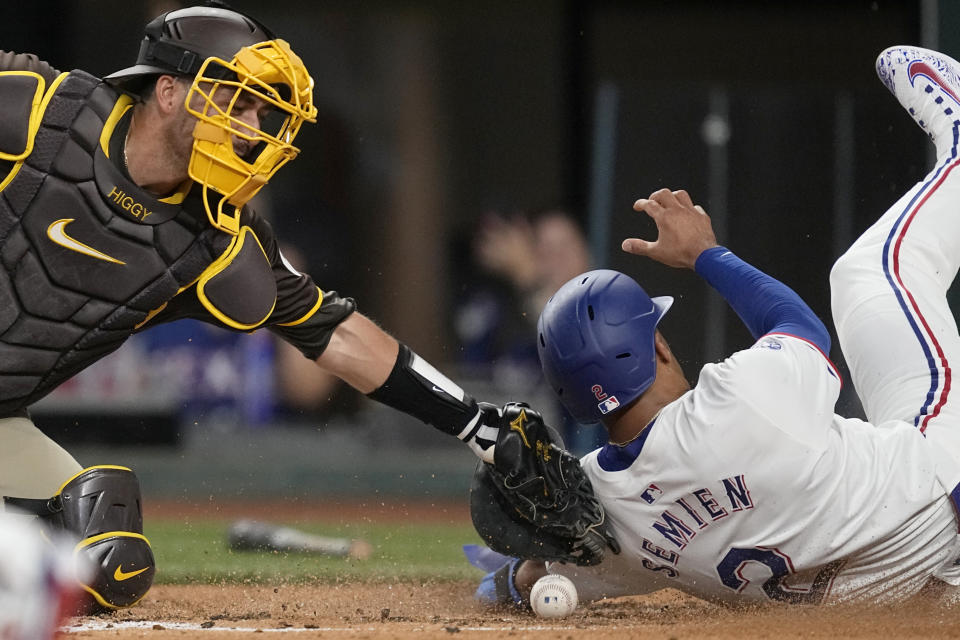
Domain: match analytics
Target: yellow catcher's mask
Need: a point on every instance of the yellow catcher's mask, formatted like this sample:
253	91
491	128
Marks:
269	78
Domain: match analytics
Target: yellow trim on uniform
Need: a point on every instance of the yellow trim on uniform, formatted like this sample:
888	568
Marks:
99	598
308	314
48	96
154	312
104	603
125	103
120	108
221	263
178	196
97	538
86	542
82	471
110	534
35	114
34	127
10	176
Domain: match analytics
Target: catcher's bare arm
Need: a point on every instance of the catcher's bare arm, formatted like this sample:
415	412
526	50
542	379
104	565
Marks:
373	362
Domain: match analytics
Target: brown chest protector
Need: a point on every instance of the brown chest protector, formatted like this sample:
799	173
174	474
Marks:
86	254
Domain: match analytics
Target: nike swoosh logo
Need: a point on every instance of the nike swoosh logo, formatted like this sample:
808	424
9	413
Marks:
921	68
119	575
56	232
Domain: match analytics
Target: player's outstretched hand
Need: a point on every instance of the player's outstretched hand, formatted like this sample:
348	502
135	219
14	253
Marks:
684	229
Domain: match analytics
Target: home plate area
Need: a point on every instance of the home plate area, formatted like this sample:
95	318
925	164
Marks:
419	610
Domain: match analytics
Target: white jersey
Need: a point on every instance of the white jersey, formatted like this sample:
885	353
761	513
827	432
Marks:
749	486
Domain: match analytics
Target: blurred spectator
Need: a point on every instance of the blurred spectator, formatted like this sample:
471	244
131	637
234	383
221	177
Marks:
529	256
536	255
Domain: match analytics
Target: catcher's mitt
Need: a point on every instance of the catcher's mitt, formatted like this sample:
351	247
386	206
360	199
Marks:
535	501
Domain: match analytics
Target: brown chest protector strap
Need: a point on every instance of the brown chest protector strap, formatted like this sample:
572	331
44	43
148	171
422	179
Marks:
21	93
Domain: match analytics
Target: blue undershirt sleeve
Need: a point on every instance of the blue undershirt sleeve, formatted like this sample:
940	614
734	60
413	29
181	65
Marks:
765	304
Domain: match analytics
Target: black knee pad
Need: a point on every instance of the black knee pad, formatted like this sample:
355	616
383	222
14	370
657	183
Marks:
120	569
100	508
101	505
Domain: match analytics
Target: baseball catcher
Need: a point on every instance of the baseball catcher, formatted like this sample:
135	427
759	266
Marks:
124	204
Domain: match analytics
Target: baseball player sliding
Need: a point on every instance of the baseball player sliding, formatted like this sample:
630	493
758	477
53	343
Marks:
748	486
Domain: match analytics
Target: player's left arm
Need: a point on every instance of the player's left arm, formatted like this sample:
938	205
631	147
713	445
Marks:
765	304
790	383
349	345
388	371
328	329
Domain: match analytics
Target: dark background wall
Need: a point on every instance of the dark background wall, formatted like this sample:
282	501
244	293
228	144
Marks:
768	113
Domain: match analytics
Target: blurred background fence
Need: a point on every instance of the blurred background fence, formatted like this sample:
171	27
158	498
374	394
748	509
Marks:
444	128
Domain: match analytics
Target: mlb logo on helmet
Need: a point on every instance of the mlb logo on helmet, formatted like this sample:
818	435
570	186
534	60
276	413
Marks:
608	405
596	341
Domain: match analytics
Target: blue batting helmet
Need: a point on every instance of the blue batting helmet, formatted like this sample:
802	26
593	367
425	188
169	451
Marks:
596	342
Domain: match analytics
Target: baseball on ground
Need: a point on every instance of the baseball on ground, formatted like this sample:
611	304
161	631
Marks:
553	596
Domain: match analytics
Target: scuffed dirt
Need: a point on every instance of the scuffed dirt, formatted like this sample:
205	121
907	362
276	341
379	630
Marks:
425	611
439	610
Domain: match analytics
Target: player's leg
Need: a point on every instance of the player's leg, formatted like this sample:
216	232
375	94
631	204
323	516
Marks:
31	464
99	508
889	290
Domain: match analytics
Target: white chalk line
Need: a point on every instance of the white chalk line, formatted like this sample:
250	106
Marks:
103	625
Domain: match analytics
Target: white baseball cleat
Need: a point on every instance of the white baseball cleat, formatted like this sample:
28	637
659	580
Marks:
927	84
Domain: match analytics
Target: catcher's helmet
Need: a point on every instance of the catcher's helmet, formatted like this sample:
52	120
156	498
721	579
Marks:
596	342
231	57
178	42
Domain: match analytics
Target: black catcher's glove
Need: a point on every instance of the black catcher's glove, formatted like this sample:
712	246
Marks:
535	501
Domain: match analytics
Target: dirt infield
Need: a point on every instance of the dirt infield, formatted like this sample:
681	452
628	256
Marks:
413	610
406	611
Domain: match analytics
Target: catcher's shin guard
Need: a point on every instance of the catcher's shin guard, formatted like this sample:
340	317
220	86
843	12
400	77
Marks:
100	507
